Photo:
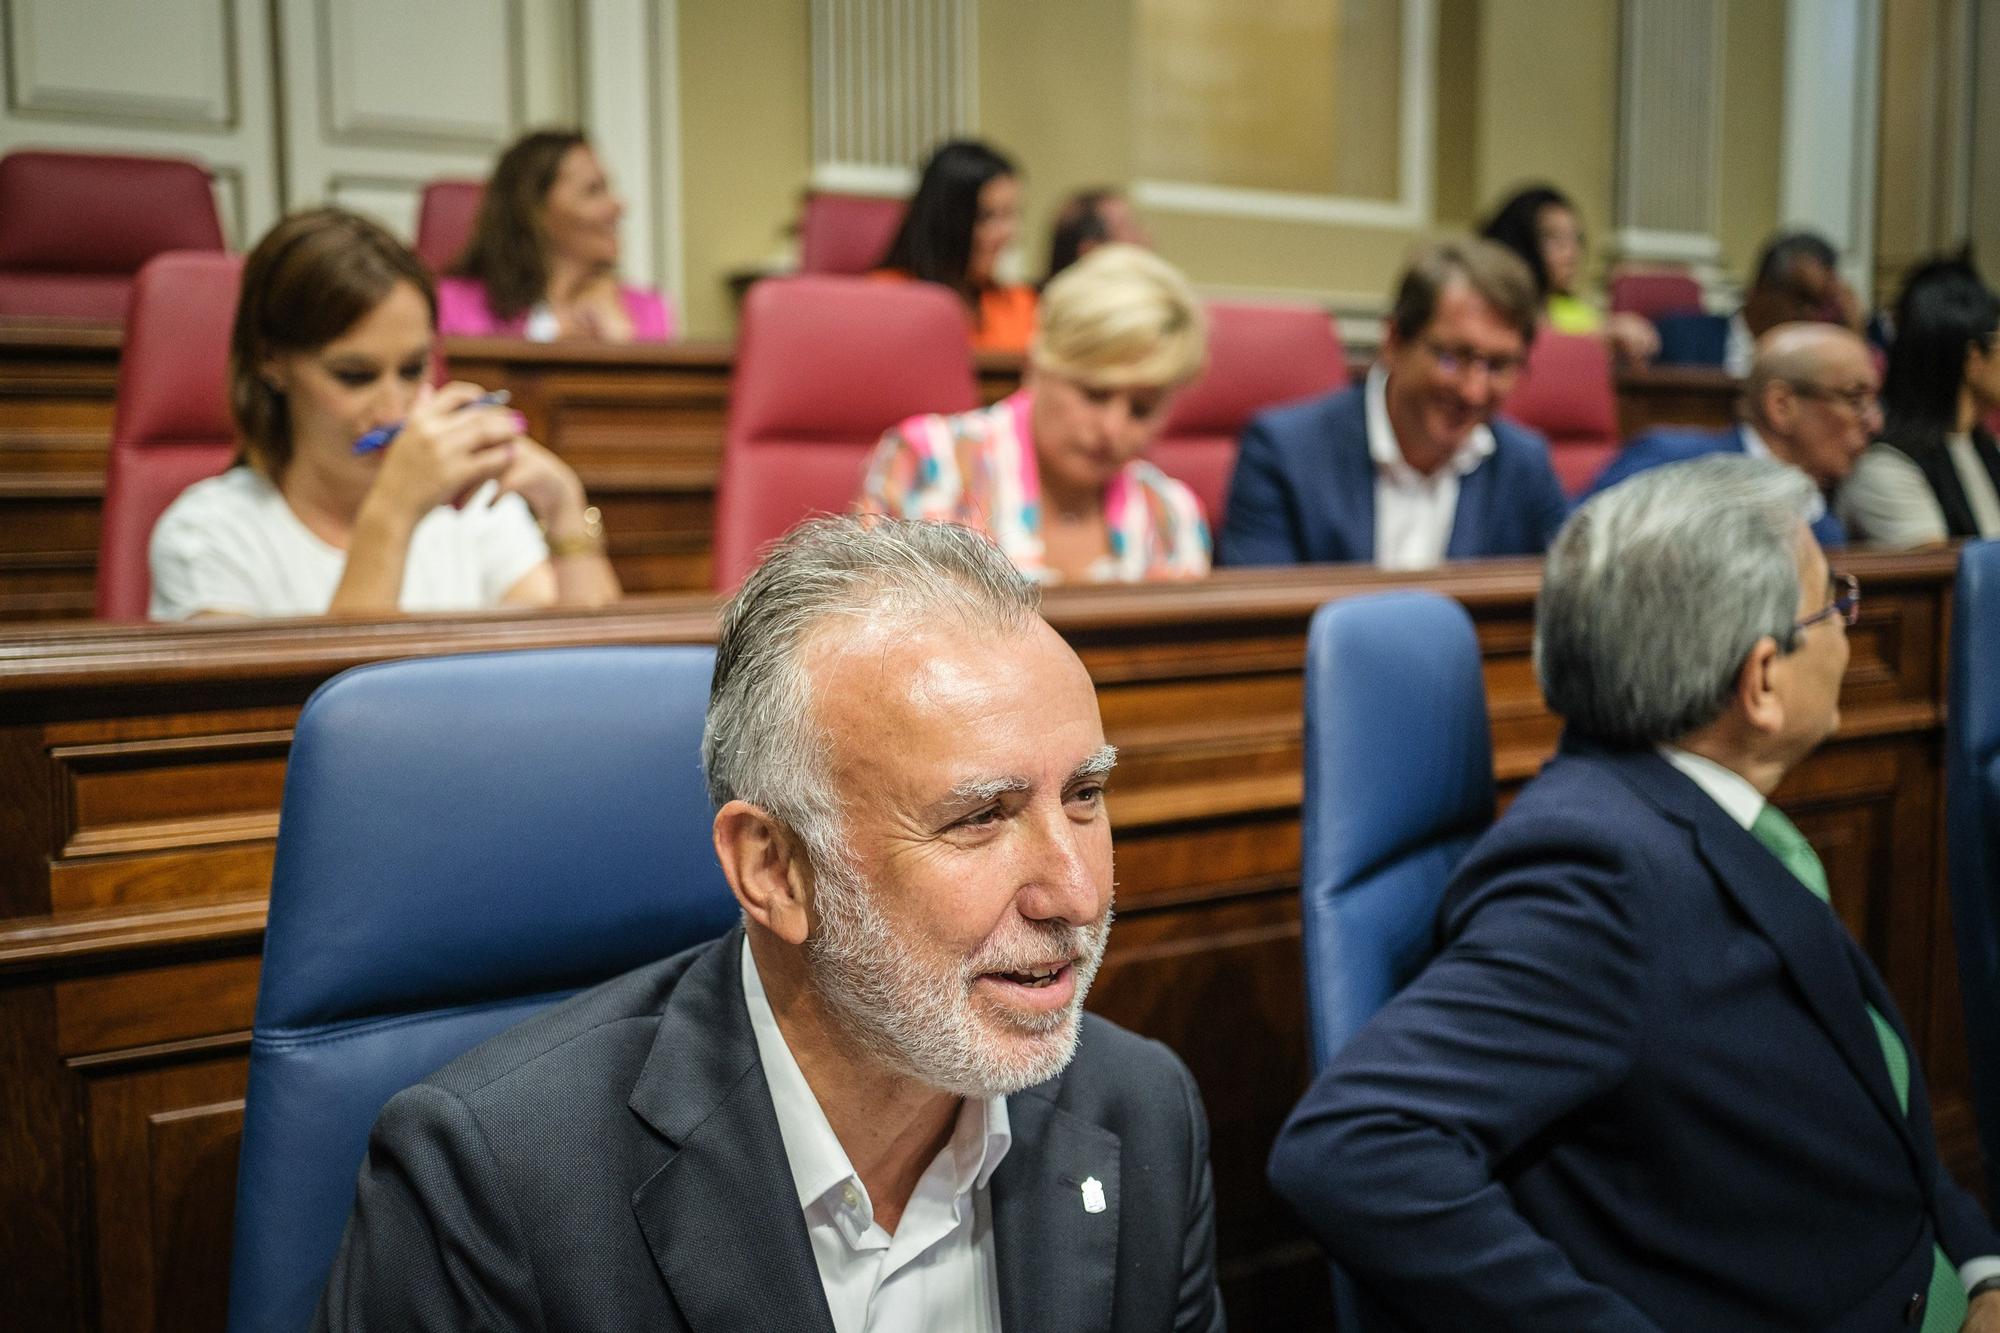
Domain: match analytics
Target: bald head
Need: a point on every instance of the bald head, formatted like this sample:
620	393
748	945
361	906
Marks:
1811	396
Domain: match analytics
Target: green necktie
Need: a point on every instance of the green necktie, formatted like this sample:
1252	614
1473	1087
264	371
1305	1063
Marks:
1944	1311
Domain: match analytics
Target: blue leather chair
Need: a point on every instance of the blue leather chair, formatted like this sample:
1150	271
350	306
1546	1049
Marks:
1398	783
464	841
1972	829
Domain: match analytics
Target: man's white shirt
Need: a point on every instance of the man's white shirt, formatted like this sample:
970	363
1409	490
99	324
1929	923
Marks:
938	1269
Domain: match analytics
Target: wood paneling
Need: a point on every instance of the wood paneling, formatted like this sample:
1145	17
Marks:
642	425
140	762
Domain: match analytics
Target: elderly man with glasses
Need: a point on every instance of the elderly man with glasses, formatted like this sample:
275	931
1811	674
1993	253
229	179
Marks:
1409	468
1649	1082
1810	402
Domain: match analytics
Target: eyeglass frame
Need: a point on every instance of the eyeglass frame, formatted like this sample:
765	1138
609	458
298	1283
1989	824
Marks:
1860	402
1846	603
1456	361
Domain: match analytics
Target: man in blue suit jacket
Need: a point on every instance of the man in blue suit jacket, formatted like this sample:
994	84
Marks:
1409	468
1810	401
1649	1082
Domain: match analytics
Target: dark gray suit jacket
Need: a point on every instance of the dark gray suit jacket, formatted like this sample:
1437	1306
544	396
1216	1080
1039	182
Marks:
615	1163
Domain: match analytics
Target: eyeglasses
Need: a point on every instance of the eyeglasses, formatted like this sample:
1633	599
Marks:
1861	402
1455	361
1846	603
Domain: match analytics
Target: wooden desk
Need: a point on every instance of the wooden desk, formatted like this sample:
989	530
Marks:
145	769
1685	396
642	425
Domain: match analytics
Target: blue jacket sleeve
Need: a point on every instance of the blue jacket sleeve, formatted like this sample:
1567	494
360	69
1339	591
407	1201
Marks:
1261	527
1551	506
1531	1010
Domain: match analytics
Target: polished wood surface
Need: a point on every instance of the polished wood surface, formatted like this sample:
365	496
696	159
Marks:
143	768
642	424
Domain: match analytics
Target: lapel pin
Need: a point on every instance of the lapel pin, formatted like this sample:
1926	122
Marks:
1093	1195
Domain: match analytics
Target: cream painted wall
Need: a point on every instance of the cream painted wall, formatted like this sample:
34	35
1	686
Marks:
746	143
1753	115
1547	103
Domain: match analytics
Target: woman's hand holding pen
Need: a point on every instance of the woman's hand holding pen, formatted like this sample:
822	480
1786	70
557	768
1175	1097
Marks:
446	449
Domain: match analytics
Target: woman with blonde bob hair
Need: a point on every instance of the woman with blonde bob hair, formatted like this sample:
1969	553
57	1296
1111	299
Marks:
1053	473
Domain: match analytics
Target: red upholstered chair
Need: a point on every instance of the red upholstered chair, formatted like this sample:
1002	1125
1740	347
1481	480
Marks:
1654	292
1258	356
444	220
75	227
172	427
846	233
824	365
1566	392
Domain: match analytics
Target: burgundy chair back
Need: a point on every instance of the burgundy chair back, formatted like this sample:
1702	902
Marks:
75	227
846	233
1566	392
1655	292
444	220
1258	356
172	426
824	365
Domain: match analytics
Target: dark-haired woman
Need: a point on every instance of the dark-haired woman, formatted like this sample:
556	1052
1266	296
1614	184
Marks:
965	212
1935	474
331	348
1543	227
543	259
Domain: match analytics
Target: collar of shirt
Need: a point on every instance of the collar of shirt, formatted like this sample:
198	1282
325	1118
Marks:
1387	454
1755	447
820	1166
1726	787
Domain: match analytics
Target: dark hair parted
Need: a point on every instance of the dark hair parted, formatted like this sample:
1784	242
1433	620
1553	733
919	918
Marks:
313	277
1943	311
1080	224
1493	271
1788	249
935	241
1515	224
508	251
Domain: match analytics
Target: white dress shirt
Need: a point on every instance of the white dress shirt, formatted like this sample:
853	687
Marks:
1414	511
937	1271
1743	803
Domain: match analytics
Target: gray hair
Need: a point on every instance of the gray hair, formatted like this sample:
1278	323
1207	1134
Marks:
1658	588
761	742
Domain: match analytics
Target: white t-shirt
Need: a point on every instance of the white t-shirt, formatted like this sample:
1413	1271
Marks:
231	544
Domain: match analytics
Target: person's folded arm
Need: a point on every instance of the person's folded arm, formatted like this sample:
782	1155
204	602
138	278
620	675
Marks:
1258	527
434	1242
1534	1007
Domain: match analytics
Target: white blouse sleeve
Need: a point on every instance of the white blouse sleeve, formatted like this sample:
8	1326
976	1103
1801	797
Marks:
1887	501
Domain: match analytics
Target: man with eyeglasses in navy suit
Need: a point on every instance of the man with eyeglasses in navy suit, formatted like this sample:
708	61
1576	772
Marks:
1649	1082
1411	467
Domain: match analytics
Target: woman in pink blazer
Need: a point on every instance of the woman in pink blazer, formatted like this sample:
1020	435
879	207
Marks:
543	259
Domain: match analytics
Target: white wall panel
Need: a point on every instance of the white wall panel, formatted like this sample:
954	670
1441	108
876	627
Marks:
78	58
382	96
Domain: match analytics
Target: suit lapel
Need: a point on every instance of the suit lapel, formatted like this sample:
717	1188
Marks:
1348	491
1057	1260
1469	536
721	1216
1812	944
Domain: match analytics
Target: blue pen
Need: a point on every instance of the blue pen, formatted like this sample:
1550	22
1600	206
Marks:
379	437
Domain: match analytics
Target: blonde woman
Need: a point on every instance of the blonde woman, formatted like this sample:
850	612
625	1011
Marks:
1054	473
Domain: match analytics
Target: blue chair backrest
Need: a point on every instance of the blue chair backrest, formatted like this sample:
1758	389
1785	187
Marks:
1972	828
1693	340
464	841
1398	782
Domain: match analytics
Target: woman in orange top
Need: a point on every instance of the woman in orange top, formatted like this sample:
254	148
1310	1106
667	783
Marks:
965	212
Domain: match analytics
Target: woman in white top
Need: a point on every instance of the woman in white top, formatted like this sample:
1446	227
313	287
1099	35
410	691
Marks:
333	340
1935	474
